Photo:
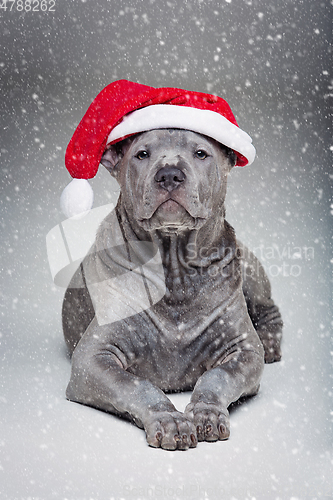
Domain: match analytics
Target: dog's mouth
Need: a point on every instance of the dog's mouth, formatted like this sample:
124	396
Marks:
171	215
170	206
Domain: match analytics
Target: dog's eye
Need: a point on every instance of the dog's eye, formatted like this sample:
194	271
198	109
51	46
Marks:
142	155
201	154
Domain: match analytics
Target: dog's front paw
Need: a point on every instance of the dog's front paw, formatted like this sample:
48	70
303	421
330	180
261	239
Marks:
210	421
170	430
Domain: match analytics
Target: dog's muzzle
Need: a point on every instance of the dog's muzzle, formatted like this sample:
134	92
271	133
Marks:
171	198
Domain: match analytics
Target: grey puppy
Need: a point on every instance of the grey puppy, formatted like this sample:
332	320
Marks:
199	317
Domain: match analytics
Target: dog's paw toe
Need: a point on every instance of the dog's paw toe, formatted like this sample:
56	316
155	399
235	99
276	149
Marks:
170	431
212	423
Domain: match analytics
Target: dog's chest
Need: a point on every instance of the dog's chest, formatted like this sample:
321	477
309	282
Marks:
192	297
174	354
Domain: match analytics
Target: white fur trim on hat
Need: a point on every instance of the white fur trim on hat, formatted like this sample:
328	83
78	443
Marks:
77	198
202	121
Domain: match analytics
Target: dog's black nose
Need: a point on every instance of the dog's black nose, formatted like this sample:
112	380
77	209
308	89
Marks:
169	178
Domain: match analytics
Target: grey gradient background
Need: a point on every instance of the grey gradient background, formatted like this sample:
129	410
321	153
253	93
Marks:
271	61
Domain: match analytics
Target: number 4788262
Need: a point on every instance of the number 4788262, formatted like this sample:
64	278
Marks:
28	5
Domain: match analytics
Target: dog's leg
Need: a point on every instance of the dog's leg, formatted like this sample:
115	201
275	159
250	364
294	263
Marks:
265	315
100	380
238	375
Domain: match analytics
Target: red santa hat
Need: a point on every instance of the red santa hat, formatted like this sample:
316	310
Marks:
125	108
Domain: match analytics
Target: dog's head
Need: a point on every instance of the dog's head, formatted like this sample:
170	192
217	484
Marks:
170	179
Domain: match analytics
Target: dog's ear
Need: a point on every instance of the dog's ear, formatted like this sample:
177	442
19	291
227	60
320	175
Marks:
230	154
111	157
232	158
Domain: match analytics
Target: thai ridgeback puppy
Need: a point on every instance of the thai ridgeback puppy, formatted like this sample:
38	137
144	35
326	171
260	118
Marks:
167	299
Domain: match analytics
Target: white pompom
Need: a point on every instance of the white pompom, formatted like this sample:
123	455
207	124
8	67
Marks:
77	198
